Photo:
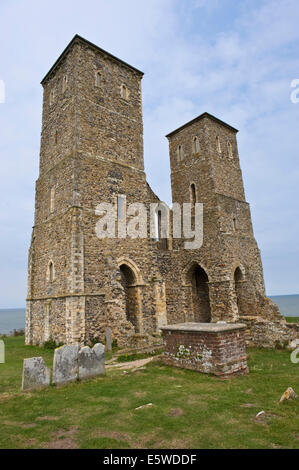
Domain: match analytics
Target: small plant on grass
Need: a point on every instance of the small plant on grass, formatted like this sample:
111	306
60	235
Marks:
18	332
281	344
135	356
51	344
93	340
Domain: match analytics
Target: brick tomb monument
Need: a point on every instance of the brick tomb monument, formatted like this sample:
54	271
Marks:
215	348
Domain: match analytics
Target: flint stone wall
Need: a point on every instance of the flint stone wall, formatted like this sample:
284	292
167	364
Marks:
266	333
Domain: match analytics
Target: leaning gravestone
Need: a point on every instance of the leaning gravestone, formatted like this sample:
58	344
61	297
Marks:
65	364
35	373
91	361
109	338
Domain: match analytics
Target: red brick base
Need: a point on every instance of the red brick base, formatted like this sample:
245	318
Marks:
211	348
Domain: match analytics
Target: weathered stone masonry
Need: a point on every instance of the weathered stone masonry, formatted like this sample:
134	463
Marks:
92	152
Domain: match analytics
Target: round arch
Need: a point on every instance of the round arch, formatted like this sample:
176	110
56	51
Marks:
240	286
131	280
198	280
130	264
241	267
188	269
50	271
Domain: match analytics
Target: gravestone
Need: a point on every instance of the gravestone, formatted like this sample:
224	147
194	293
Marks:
109	339
65	364
2	351
91	362
35	373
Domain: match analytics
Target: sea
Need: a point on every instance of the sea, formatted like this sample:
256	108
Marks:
14	318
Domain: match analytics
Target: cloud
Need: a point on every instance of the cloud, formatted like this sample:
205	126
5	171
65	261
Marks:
233	59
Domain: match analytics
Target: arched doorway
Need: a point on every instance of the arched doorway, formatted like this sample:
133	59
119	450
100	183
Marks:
240	290
128	281
200	294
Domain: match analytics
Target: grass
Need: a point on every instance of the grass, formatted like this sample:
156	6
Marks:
292	319
135	356
190	410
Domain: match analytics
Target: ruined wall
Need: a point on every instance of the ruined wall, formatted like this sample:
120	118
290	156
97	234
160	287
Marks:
228	240
91	152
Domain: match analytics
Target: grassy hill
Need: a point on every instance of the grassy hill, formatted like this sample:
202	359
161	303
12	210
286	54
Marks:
189	410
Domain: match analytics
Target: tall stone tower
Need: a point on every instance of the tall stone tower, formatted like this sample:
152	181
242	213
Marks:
91	152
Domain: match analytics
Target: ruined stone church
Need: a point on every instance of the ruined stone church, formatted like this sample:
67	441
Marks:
92	151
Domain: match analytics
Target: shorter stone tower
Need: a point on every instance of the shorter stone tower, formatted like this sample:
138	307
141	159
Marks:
205	168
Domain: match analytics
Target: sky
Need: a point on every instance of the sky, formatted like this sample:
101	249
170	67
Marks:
235	60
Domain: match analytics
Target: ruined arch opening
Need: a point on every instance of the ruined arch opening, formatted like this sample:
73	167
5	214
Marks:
240	290
50	273
128	281
200	294
192	194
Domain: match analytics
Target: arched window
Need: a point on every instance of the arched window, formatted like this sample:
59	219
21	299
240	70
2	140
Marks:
195	145
242	289
51	272
200	295
159	224
98	79
230	149
124	92
180	153
218	146
52	97
235	226
238	276
192	193
56	137
64	83
162	225
52	199
121	206
131	297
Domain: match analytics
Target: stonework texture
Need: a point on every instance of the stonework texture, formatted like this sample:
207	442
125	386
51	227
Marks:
91	362
217	349
92	152
65	364
35	374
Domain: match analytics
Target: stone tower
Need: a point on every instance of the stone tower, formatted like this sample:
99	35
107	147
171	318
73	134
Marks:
92	152
205	167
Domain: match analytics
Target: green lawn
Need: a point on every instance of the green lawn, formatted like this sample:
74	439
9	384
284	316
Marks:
190	410
292	319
